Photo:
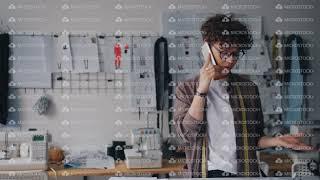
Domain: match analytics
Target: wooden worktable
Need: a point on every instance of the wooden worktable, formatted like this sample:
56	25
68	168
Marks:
271	159
119	170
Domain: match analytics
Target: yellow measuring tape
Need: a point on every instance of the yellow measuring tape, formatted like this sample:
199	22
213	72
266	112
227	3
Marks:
203	159
245	133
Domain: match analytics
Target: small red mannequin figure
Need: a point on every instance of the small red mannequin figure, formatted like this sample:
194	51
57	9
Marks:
117	54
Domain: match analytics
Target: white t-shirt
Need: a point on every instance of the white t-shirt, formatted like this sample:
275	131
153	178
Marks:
222	141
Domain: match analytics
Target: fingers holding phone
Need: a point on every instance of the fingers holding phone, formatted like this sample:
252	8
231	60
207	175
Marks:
210	72
207	73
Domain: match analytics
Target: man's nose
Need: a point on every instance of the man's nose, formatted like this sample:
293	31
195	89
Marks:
230	59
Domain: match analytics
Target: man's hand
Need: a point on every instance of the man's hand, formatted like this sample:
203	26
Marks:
286	141
209	72
293	142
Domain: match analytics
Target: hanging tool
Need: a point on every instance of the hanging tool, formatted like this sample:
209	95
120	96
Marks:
4	78
162	76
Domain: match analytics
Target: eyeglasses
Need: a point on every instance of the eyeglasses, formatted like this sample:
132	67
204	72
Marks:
225	54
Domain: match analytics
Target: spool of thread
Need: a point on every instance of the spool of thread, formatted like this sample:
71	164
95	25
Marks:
13	151
3	154
56	155
24	150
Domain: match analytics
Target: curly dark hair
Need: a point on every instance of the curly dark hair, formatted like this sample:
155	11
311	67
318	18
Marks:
225	29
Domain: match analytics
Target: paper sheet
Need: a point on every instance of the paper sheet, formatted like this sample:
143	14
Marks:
84	51
29	64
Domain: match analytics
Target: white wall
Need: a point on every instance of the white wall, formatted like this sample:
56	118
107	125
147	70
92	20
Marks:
92	116
46	16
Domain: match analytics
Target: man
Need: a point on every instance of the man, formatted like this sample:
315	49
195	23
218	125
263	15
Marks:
218	114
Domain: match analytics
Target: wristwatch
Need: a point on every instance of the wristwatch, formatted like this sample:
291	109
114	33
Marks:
201	94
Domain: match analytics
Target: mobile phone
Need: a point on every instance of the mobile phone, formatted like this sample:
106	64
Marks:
205	49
